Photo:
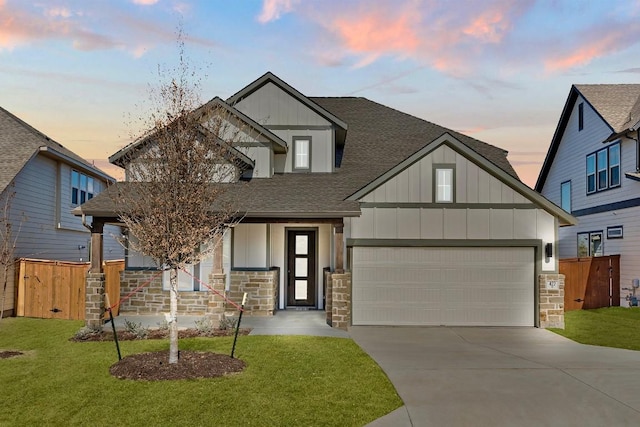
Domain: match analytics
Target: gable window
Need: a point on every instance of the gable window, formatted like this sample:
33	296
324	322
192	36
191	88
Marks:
444	183
581	116
82	188
565	196
301	153
603	169
590	244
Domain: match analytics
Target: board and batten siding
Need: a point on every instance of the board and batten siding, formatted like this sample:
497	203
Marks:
387	218
270	105
322	159
41	215
250	246
570	162
415	184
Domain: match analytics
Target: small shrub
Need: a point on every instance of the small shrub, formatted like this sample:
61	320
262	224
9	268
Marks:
163	326
137	329
206	325
227	323
87	332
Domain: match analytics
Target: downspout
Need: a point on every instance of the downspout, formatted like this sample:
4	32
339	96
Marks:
84	222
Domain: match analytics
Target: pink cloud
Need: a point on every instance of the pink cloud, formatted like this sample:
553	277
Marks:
594	44
489	26
272	9
145	2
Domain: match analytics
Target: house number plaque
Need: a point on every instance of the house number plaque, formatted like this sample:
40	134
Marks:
552	284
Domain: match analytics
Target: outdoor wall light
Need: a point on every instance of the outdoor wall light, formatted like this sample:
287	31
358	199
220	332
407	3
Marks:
548	250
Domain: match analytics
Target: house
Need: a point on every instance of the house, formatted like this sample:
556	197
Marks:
592	170
376	216
48	181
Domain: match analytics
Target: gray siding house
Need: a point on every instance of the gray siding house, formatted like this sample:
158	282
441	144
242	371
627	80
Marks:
592	170
376	216
48	181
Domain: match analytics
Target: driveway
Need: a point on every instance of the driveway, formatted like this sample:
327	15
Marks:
449	376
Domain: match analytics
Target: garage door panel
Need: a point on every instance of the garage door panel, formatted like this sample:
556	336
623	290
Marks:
443	286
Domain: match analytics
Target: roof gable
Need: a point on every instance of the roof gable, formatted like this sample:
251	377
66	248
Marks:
471	155
19	142
269	77
618	105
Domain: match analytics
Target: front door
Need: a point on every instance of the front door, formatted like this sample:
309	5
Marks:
301	268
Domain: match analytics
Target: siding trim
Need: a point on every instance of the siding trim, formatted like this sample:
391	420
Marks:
468	243
631	203
427	205
299	127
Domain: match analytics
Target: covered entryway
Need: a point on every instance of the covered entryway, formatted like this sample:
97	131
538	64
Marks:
301	268
470	286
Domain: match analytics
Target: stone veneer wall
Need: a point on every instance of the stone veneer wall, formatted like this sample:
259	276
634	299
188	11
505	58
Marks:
551	300
338	300
152	299
261	288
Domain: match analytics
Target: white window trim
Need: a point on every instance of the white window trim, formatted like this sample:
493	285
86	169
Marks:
295	141
449	186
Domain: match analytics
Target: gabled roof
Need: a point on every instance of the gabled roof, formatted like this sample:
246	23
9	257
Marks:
618	105
269	77
20	142
379	139
455	144
120	157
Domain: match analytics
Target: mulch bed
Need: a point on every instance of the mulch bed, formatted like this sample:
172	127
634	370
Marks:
158	334
8	353
155	366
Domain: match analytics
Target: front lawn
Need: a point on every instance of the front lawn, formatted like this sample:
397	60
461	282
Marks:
609	327
289	381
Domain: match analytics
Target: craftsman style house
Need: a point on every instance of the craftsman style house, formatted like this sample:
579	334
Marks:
376	216
592	171
47	181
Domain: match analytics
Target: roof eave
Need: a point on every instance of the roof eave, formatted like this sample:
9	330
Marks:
79	165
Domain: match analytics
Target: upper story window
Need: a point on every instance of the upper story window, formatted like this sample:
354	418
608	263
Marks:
581	116
565	196
444	183
301	153
82	188
603	169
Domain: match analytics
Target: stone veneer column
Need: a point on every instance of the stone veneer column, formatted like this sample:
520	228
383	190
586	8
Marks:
341	300
328	298
216	305
94	300
551	302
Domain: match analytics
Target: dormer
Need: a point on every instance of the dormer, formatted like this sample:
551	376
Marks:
311	133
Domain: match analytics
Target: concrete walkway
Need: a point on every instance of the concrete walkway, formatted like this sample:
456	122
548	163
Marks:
503	377
284	322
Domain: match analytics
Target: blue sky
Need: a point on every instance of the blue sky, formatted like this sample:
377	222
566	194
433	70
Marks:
498	70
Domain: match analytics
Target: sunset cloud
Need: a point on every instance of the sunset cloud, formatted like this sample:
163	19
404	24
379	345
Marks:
145	2
273	9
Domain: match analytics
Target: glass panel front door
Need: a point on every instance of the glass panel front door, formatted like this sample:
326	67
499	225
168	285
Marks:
301	268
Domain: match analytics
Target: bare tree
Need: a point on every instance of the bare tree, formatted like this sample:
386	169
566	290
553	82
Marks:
177	172
8	240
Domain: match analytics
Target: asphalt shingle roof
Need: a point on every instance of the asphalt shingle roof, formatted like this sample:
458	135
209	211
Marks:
618	104
19	142
378	139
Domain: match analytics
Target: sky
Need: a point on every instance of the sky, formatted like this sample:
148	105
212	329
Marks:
80	71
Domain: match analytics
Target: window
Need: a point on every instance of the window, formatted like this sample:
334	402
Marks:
82	188
614	232
301	153
565	196
581	116
603	169
444	184
590	244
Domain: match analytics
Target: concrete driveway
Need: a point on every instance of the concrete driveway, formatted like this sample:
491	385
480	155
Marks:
449	376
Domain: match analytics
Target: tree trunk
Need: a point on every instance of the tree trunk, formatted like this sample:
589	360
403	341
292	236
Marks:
173	313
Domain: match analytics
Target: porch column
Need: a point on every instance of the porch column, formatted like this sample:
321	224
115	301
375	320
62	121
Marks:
217	254
338	239
97	227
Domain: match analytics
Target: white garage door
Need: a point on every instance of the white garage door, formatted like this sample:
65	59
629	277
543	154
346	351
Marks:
443	286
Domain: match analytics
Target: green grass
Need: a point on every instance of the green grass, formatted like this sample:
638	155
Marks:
609	327
289	381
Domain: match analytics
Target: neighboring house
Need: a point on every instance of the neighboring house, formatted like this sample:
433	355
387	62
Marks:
591	171
48	181
379	217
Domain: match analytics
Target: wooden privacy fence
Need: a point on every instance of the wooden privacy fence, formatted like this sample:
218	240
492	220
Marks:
592	282
56	289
